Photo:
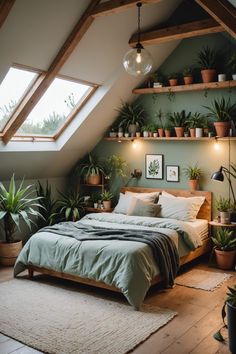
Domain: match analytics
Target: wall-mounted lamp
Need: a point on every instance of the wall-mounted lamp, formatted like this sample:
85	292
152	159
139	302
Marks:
136	174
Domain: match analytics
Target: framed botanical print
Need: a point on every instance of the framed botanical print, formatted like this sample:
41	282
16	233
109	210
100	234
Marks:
172	173
154	166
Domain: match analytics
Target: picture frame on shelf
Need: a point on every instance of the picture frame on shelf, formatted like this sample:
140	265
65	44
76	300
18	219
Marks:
172	173
154	166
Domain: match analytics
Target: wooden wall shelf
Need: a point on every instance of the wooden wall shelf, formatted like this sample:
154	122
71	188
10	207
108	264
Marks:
184	88
169	139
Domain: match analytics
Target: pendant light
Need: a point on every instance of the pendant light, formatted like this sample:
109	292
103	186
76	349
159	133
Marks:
138	61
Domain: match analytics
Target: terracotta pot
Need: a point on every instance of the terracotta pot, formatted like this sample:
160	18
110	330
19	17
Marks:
188	80
167	133
208	75
107	204
9	252
94	179
222	128
179	131
225	259
192	132
193	184
161	132
173	82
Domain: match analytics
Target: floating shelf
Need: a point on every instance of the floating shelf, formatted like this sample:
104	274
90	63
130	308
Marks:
169	139
183	88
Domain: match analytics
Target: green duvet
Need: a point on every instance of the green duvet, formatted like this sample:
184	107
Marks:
127	265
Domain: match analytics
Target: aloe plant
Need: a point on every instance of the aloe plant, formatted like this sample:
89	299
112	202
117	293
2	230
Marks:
224	240
207	58
222	204
196	120
17	204
179	119
221	110
106	195
70	206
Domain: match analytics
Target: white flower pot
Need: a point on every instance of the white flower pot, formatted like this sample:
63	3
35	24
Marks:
145	134
199	132
221	77
234	76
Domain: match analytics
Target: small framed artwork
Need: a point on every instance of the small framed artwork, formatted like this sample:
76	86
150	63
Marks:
154	166
172	173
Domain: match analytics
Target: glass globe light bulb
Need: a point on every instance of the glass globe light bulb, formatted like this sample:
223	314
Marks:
138	61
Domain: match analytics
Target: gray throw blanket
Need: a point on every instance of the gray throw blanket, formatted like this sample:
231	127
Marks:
164	249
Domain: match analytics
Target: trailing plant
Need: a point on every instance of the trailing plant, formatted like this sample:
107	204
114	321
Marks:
193	172
17	204
130	113
224	240
106	195
222	204
221	110
69	206
91	165
179	119
207	58
47	203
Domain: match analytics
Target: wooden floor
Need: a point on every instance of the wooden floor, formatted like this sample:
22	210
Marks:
199	316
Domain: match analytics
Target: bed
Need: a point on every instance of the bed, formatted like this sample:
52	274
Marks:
116	264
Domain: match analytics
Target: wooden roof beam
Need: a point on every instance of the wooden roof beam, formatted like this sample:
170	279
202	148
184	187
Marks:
115	6
44	80
186	30
223	12
5	8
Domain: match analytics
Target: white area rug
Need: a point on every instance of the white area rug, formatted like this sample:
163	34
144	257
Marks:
63	320
202	279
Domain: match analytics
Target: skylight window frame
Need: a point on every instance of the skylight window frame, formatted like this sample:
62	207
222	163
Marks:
69	118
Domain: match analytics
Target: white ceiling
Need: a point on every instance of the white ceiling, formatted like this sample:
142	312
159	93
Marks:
32	35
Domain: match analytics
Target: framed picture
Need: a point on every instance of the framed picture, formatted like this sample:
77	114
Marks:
154	166
172	173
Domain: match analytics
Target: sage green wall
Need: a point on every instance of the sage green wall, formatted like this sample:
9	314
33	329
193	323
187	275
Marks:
180	153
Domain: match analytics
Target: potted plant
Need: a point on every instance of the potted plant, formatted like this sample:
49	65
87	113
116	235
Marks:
131	115
47	205
173	79
16	204
113	132
144	130
193	173
70	206
222	112
106	198
167	128
188	76
230	305
232	65
223	206
91	169
207	58
225	248
178	120
160	125
156	79
114	165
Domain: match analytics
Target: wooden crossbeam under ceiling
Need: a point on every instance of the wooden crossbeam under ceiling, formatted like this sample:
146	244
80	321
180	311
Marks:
44	80
5	8
186	30
223	12
115	6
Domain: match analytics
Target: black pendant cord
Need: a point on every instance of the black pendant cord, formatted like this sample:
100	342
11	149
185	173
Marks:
139	4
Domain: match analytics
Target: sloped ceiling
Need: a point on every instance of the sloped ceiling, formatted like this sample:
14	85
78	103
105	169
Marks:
32	35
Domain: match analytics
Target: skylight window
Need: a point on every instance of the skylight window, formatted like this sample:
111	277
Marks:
57	106
12	90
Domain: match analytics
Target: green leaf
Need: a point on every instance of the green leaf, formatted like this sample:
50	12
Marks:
218	336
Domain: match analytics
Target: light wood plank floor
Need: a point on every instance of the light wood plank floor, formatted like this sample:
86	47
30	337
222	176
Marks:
199	317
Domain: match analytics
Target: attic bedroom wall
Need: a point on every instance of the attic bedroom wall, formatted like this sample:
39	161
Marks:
180	153
97	58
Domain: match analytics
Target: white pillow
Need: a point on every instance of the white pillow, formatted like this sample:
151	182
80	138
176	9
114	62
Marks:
197	201
151	197
123	204
178	208
138	207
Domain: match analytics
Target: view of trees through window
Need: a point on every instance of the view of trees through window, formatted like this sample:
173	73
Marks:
53	109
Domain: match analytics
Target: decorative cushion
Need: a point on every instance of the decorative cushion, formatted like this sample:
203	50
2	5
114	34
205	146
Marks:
123	204
151	197
138	207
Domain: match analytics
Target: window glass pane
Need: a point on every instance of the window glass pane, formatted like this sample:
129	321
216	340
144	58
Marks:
12	89
53	109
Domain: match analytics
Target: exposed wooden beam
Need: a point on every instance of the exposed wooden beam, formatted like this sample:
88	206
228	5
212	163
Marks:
223	12
5	8
114	6
44	80
186	30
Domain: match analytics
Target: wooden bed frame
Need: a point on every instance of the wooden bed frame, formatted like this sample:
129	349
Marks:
204	213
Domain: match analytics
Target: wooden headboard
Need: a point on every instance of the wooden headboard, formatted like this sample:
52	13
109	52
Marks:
205	210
